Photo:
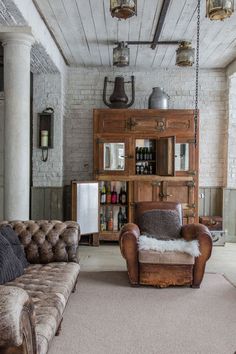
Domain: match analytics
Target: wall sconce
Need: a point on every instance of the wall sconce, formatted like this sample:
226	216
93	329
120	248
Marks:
121	55
123	8
219	9
46	132
185	54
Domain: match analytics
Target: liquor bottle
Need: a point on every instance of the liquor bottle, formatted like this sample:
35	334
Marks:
124	218
120	219
137	153
108	194
145	171
114	195
103	195
123	196
150	169
137	169
110	222
150	154
145	154
102	221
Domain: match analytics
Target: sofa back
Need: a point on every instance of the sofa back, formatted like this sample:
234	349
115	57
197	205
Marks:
47	241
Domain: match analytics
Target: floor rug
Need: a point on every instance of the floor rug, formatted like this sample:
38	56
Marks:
107	316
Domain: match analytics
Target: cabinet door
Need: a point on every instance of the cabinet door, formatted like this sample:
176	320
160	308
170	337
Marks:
165	156
146	191
110	122
113	156
185	158
182	192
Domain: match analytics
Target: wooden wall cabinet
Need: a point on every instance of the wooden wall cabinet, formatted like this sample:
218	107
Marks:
153	152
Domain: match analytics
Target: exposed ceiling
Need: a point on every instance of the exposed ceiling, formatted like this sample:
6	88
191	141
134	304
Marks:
85	32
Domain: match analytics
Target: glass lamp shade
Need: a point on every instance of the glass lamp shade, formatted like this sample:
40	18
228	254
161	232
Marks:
123	8
121	55
219	9
185	54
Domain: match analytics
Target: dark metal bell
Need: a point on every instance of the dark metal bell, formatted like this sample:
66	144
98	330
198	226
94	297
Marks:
118	98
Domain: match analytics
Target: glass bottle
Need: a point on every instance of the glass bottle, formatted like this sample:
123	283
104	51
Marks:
141	169
108	194
114	195
137	153
103	195
120	219
140	154
145	171
150	154
123	196
110	222
102	221
150	169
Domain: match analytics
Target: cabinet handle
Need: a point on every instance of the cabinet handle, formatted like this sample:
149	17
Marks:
162	195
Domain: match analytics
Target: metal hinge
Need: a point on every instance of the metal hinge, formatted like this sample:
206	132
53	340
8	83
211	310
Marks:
192	173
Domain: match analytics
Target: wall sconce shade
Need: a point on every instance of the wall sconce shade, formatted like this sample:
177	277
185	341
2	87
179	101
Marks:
219	9
185	54
46	131
123	8
121	55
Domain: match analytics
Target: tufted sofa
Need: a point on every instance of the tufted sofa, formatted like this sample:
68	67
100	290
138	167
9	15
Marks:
32	305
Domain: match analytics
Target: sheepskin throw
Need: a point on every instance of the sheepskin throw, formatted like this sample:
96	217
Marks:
180	245
160	224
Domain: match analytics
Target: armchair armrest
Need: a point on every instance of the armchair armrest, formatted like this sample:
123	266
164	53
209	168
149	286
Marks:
17	325
202	234
128	241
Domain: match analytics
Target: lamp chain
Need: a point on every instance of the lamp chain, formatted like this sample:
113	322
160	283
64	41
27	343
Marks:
197	73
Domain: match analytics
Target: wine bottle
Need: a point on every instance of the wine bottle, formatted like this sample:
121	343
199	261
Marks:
145	171
108	194
123	196
114	195
141	169
110	222
103	195
137	153
140	154
120	219
124	218
102	222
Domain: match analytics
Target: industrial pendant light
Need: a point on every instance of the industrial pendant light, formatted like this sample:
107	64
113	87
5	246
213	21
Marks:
185	54
121	55
219	9
123	8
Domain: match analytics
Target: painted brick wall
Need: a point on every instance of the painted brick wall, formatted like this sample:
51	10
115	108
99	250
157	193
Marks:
48	93
85	87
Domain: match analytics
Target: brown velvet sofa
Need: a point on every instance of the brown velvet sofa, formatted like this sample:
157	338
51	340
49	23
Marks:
32	305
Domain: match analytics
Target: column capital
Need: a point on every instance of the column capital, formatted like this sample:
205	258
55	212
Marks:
16	35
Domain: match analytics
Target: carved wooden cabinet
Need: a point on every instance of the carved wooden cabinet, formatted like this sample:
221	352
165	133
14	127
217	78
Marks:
154	153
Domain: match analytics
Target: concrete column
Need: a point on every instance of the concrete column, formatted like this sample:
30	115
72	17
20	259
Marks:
17	48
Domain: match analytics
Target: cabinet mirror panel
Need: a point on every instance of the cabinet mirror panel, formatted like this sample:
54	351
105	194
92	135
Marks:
114	156
181	157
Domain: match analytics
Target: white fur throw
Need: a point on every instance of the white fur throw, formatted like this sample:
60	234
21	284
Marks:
180	245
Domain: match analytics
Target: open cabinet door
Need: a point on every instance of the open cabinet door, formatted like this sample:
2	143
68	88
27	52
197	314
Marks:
85	209
165	156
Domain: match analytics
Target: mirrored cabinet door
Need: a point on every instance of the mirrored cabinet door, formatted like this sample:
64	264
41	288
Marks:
114	156
182	157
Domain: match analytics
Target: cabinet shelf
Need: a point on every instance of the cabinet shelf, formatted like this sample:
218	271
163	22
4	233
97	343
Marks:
140	161
115	204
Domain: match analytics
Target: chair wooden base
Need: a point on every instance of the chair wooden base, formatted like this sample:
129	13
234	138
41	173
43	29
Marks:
164	275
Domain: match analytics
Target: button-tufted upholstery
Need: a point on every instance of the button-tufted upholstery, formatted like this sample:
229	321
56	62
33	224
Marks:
47	241
51	248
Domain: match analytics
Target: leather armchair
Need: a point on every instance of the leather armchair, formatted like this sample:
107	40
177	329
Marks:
164	272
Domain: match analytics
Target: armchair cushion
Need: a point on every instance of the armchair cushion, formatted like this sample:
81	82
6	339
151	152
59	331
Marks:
10	235
160	224
155	257
180	245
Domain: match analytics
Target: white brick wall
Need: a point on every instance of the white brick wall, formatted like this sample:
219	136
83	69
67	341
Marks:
48	93
85	87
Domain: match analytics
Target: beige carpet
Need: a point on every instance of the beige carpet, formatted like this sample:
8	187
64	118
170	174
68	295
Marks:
107	316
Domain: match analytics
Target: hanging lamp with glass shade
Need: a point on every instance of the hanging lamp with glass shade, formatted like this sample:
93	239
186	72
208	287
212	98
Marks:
123	8
121	55
219	9
185	54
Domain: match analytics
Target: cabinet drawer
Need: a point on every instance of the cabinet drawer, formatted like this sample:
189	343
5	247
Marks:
110	122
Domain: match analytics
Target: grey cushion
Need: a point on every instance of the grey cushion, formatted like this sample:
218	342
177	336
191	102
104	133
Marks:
10	265
160	224
9	234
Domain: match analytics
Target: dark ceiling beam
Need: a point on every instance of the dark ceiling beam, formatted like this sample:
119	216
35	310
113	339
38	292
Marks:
160	23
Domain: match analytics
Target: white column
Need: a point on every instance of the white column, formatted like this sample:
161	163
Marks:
17	48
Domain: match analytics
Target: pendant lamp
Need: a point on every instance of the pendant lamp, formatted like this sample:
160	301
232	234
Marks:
123	8
219	9
185	54
121	55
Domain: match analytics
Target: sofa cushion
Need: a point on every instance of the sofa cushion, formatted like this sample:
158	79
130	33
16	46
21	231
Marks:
155	257
10	265
49	286
9	234
160	224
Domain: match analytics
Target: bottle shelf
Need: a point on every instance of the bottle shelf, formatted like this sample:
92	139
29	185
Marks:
140	161
113	204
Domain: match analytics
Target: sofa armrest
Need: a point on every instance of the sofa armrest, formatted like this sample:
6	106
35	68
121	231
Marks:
128	241
200	233
17	325
48	241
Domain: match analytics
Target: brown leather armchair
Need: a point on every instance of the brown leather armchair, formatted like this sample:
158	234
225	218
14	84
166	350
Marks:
168	268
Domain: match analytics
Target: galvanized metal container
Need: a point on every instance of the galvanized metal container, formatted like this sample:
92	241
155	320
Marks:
158	99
